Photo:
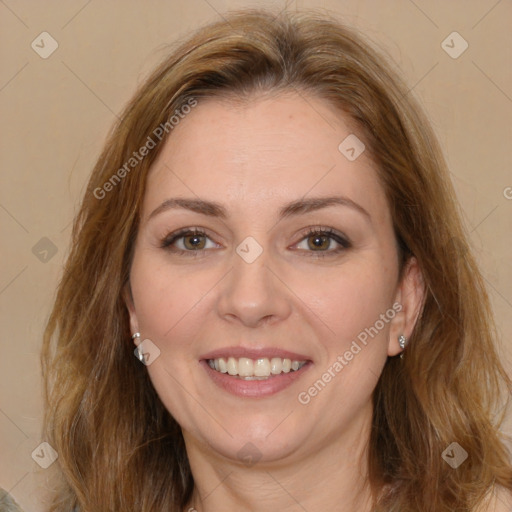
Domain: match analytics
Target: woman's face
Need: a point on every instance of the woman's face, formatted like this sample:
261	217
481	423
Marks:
293	263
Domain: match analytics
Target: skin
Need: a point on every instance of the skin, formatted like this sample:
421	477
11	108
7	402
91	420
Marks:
253	159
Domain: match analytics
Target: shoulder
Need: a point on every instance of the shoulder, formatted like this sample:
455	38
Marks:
7	503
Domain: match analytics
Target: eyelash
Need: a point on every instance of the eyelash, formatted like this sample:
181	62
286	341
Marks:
320	231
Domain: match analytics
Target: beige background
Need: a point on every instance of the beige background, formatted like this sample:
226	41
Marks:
56	112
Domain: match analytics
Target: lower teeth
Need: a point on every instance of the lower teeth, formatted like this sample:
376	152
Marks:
254	378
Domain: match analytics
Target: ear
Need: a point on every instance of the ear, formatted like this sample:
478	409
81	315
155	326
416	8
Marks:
130	306
408	302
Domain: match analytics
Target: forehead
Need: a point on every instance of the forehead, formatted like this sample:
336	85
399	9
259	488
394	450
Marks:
265	151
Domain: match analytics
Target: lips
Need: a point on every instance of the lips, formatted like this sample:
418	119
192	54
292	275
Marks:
255	373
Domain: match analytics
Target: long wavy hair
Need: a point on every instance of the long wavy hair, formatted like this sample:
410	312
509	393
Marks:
119	448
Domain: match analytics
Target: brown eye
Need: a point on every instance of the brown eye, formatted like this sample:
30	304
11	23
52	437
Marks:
191	241
194	241
319	242
323	242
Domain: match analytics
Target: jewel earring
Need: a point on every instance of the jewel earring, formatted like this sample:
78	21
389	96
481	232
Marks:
402	340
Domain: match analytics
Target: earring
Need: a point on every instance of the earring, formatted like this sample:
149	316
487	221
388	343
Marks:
138	350
402	341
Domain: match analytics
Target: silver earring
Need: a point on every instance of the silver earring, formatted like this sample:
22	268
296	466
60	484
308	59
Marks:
402	341
138	350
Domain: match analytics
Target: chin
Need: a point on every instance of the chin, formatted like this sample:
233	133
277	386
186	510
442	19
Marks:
257	439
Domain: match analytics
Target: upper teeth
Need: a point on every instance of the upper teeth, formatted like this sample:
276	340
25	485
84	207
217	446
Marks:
245	367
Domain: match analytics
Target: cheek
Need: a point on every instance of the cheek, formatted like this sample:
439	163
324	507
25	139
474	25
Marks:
170	304
355	302
168	299
350	298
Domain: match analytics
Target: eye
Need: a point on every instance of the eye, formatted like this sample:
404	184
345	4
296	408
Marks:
189	240
317	241
323	242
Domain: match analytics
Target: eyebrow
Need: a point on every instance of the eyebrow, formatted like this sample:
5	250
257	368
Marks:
298	207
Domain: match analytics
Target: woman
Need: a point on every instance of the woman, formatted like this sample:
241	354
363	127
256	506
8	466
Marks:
270	228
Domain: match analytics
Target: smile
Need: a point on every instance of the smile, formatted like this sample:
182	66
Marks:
249	372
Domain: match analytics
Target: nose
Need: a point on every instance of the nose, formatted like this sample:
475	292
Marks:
253	293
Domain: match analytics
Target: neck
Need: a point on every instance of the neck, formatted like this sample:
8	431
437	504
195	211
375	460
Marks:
333	476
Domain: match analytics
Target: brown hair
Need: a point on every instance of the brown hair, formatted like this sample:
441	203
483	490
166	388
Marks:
119	448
